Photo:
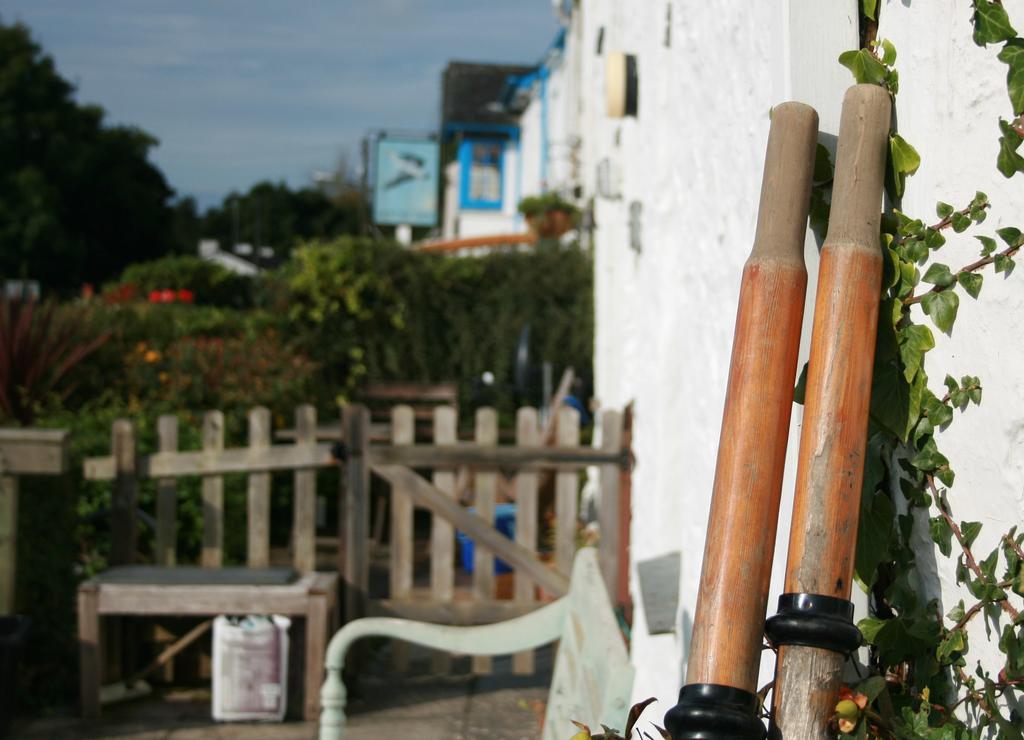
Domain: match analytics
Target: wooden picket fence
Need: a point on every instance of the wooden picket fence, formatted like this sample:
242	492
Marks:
477	474
258	460
459	475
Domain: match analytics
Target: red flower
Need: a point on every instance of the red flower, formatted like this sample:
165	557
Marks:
185	295
154	296
167	296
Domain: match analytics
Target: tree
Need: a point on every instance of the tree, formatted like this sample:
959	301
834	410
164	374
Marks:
78	200
271	214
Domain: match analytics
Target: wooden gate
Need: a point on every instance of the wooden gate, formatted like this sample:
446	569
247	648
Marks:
460	483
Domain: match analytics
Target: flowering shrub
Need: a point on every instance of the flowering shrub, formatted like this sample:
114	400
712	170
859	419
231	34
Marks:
197	372
167	295
181	279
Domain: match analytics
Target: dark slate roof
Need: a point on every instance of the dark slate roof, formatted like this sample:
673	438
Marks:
468	88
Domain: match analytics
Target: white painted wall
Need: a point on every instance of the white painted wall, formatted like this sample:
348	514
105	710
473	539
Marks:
450	214
530	137
556	168
665	315
693	159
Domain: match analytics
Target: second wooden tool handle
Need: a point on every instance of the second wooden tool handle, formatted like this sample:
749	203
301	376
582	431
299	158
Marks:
830	467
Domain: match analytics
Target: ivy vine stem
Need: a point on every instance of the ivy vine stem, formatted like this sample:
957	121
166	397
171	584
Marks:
976	696
948	220
970	613
973	267
968	554
1010	542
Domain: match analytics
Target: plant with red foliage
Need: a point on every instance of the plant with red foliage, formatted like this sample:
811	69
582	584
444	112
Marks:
121	293
38	346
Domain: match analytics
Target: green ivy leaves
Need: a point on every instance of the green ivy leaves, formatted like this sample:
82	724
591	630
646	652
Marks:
915	340
868	67
865	66
1009	162
971	283
903	463
938	274
991	24
903	161
1012	55
941	308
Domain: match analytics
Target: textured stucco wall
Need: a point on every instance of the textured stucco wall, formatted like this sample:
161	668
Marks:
692	157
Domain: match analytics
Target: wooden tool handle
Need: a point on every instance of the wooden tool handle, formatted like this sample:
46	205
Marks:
786	185
831	458
740	543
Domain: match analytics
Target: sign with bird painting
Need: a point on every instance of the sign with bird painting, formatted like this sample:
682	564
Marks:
405	188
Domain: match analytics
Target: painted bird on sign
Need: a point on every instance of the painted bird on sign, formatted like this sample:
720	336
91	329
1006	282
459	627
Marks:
410	167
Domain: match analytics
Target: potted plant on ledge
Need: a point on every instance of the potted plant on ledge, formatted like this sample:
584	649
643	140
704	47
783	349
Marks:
549	215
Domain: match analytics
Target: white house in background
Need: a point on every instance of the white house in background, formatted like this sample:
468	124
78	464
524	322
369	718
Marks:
480	146
675	192
209	250
508	132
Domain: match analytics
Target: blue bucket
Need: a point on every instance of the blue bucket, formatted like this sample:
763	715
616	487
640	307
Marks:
504	522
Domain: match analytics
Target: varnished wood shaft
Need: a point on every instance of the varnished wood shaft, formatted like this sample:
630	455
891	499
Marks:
755	426
830	466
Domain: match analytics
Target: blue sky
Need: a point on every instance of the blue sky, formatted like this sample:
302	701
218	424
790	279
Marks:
243	90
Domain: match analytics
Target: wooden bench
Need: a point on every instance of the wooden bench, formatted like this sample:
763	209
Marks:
592	678
165	589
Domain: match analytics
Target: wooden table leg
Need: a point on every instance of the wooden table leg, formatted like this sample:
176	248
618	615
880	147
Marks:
8	541
90	661
316	644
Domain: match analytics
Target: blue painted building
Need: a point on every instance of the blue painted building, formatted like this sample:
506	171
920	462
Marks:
498	143
480	146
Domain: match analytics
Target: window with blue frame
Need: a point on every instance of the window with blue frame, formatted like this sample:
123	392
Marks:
481	163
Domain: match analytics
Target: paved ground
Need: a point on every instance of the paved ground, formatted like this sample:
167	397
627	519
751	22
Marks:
384	706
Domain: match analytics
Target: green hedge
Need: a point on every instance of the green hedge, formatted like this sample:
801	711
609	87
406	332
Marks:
210	283
368	310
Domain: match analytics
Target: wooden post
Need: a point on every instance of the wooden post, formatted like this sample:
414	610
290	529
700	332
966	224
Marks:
356	510
90	650
403	432
609	548
729	620
123	532
166	542
442	534
258	494
212	555
304	505
8	541
623	599
22	451
831	460
526	522
166	495
567	490
485	487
